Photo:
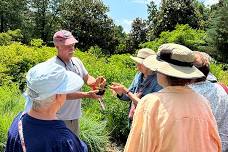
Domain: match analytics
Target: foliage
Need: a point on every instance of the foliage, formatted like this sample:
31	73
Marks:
96	125
118	120
152	20
36	42
171	13
44	18
203	14
121	36
10	36
218	31
89	22
96	51
217	70
11	14
17	59
183	34
11	103
94	132
137	35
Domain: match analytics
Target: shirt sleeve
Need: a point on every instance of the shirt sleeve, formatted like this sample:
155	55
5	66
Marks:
145	133
13	140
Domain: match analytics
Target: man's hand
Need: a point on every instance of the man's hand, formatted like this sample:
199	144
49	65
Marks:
92	94
99	83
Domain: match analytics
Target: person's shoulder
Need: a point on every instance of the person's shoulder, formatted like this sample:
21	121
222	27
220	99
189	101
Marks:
221	88
13	130
138	75
76	59
53	59
202	87
150	100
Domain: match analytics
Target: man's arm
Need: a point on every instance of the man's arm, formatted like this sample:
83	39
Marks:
79	95
89	80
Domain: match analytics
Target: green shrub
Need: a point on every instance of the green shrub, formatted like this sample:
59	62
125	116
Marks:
5	39
36	42
17	59
117	114
16	35
11	104
93	131
96	51
183	34
221	75
96	125
10	37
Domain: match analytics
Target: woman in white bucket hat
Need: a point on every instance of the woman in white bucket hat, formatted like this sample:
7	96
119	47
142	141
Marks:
39	130
175	119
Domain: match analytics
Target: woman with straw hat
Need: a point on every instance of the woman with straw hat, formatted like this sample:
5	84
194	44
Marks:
175	119
145	81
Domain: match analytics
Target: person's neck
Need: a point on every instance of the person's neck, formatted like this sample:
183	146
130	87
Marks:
64	60
43	114
147	73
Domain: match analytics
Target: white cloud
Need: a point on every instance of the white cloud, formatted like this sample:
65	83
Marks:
125	23
210	2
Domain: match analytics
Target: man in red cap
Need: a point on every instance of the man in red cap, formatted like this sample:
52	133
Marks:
70	112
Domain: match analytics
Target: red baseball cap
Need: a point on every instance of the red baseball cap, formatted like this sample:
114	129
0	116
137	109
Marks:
64	37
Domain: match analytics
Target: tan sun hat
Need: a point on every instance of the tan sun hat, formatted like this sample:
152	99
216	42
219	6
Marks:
142	54
174	60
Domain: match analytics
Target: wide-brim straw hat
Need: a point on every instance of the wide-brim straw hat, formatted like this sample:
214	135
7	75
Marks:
174	60
142	54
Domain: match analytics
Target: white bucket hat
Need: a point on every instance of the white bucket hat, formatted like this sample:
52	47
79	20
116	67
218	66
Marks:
47	79
142	54
174	60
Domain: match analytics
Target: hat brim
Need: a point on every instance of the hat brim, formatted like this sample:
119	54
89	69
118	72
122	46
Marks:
137	60
172	70
71	83
68	41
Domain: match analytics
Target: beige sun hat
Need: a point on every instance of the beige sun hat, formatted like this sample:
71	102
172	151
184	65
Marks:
142	54
174	60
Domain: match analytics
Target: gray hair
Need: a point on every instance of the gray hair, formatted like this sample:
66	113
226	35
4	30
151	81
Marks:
36	104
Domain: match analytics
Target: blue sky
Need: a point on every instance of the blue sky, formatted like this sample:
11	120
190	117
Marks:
123	12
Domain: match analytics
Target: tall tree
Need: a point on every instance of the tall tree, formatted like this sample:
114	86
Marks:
137	34
171	13
87	19
11	14
152	19
218	31
43	16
